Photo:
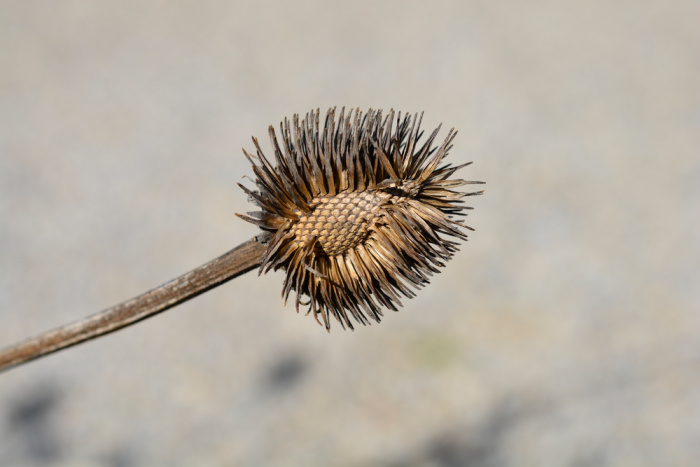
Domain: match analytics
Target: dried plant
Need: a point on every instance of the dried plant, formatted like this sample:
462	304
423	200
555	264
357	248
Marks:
357	213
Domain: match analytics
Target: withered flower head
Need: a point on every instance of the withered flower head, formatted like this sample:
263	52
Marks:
356	212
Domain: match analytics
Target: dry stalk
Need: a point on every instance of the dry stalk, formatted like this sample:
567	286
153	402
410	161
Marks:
240	260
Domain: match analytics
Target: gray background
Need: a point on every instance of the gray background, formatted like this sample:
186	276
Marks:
565	333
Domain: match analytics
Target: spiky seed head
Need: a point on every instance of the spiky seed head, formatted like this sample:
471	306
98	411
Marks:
356	212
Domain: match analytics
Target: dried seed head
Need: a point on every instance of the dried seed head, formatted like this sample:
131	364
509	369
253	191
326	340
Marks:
356	212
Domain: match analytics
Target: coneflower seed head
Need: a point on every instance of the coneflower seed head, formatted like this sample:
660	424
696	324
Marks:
356	212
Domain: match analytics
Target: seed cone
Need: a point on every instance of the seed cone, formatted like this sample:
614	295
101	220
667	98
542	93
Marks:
356	212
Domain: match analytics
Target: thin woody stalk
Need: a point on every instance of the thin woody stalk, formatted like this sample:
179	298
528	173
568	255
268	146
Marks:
230	265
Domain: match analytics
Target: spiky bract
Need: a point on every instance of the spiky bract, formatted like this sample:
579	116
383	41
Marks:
356	212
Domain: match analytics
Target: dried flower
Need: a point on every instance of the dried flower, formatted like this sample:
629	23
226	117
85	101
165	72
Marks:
356	212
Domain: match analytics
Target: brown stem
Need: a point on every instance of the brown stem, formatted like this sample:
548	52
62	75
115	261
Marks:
238	261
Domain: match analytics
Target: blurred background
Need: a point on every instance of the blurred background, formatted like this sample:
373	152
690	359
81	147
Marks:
565	333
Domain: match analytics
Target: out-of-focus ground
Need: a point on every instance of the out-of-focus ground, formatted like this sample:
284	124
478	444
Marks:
565	333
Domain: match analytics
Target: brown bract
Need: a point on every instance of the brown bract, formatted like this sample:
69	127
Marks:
357	212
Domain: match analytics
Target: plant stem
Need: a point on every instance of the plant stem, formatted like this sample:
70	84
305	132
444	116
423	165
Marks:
240	260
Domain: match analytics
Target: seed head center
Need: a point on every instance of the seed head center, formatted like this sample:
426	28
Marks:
339	222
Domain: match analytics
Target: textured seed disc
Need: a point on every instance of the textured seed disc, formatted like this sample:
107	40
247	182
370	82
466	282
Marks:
340	222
